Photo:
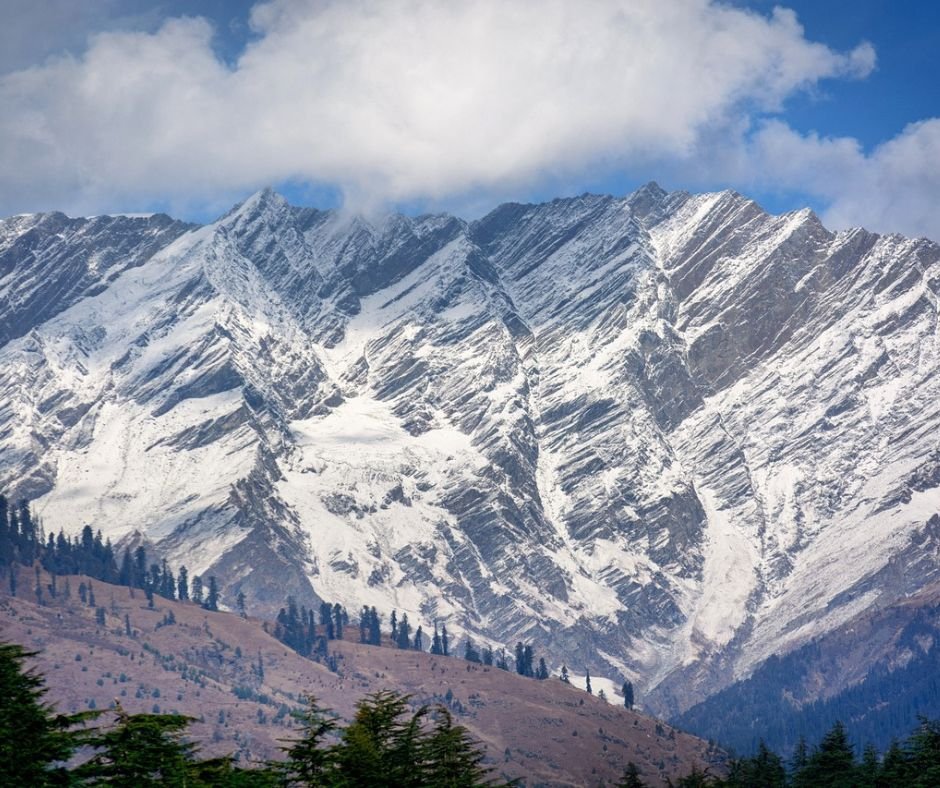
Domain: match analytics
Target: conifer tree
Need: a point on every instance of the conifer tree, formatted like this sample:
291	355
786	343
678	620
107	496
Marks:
627	691
587	681
832	765
35	741
445	641
631	777
182	585
436	646
564	674
197	590
212	595
394	625
404	632
375	628
542	673
338	621
240	604
418	644
470	652
451	757
364	617
141	750
310	759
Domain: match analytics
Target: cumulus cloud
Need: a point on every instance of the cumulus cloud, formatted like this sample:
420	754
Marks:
895	187
429	100
395	101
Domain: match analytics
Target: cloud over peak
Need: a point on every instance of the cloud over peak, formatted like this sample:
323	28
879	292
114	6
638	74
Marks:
415	100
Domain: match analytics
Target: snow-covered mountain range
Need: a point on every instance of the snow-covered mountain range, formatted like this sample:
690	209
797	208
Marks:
661	436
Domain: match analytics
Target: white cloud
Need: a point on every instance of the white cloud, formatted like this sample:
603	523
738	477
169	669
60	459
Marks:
407	100
893	188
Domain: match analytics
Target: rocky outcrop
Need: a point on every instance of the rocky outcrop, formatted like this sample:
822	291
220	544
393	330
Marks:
663	436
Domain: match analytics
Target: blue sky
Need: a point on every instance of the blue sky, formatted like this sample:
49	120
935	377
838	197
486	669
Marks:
190	105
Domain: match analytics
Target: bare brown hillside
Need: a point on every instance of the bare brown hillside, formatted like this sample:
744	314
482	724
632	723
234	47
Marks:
207	665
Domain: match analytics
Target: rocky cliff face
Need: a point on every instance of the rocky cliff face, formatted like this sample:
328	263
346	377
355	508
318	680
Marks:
662	436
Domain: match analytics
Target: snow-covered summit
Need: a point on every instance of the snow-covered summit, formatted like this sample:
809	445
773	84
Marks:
661	435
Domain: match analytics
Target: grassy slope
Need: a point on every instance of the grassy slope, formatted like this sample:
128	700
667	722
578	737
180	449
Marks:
545	731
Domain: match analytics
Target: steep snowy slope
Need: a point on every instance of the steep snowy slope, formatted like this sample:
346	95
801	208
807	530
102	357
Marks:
662	436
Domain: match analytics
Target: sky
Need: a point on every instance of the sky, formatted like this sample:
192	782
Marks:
188	106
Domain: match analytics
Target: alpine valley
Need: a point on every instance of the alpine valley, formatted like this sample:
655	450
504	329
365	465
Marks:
663	437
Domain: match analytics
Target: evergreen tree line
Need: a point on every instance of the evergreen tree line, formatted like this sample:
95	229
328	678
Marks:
833	763
22	541
296	626
880	707
385	745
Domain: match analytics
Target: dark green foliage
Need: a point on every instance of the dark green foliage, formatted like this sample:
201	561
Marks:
450	757
310	761
196	592
627	691
212	595
182	585
403	637
773	704
141	750
381	746
541	672
631	777
470	652
764	770
437	647
564	674
385	746
33	738
831	765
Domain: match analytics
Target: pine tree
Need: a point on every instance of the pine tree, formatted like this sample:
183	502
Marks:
445	641
436	647
34	740
338	620
140	567
470	652
394	625
126	572
404	632
418	644
141	750
631	777
375	628
310	759
587	681
197	590
240	604
212	595
451	757
380	747
832	765
627	691
564	674
765	769
182	585
364	624
542	673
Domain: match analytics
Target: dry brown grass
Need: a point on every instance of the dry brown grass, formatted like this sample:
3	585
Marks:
546	732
